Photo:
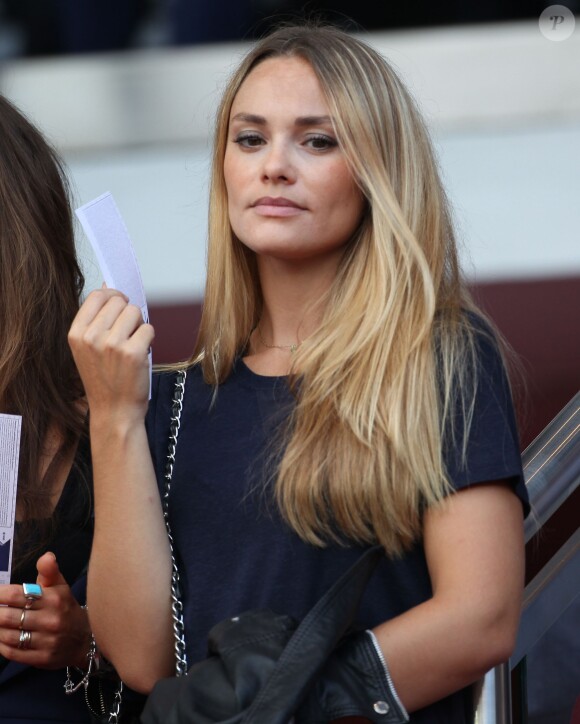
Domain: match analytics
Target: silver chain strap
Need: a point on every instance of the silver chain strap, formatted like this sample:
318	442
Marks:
116	709
176	605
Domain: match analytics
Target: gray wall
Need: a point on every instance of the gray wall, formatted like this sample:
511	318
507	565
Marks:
503	103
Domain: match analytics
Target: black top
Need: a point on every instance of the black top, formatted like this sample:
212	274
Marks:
71	531
235	553
36	696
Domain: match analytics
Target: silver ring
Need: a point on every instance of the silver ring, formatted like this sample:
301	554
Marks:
25	639
22	617
32	592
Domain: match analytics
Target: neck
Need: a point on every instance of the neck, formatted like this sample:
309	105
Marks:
293	304
293	299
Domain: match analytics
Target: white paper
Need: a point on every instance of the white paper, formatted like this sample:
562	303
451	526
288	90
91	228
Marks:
10	427
106	230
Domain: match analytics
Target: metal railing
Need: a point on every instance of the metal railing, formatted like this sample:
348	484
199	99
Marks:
552	474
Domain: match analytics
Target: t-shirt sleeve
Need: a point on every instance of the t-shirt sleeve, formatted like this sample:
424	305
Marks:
493	448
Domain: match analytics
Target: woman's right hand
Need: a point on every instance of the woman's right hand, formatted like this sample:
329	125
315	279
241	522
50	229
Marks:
110	345
131	618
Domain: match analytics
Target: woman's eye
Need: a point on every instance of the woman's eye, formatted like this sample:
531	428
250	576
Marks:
249	140
321	143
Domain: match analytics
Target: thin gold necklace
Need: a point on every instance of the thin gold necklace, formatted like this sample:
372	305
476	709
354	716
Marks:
291	347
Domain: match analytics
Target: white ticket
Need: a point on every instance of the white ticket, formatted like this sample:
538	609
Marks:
10	426
106	230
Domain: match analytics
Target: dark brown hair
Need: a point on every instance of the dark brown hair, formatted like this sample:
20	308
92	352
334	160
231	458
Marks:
40	286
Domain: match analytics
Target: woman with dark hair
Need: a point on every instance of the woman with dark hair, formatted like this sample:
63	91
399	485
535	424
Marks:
344	391
40	287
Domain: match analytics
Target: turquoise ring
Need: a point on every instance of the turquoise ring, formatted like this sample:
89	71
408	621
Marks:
32	592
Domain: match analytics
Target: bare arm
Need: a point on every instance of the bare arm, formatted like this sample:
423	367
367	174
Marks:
475	553
130	569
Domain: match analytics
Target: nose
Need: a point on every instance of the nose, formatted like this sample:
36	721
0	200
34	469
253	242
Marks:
277	163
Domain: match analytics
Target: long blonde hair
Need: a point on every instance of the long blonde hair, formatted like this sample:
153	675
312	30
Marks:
381	378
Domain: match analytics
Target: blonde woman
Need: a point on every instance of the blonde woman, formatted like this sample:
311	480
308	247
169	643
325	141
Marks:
343	391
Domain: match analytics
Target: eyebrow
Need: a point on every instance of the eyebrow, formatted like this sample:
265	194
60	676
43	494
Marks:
300	121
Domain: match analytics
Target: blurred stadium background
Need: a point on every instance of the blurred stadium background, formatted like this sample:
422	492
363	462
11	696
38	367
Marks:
126	90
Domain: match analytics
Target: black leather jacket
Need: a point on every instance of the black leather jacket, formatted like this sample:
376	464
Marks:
264	668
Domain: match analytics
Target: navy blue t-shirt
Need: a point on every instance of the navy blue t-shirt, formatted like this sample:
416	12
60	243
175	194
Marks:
235	553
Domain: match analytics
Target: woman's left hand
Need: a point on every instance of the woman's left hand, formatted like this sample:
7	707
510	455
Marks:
59	629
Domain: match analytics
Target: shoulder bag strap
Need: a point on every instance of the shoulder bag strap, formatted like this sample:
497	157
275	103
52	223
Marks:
176	605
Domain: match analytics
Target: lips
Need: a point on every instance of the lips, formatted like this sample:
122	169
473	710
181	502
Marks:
278	201
277	208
